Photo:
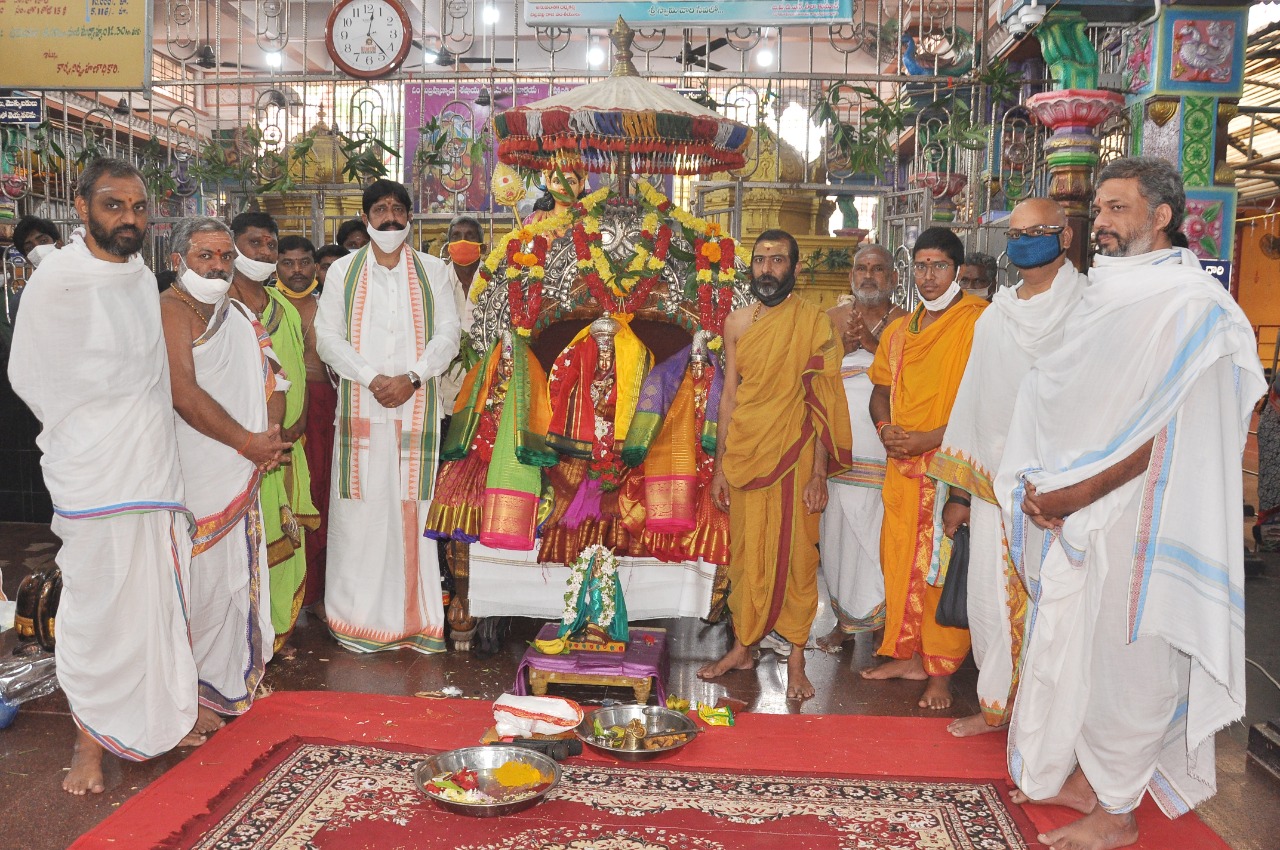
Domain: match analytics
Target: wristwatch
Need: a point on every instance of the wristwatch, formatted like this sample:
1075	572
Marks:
415	380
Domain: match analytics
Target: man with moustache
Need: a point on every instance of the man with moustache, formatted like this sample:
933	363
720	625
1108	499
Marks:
850	535
783	428
88	359
387	325
916	373
298	279
1124	517
288	513
1024	323
227	396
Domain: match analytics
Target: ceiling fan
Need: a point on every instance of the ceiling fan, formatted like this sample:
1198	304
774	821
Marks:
690	56
446	58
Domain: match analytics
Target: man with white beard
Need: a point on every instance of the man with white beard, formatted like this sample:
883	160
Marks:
1121	490
850	528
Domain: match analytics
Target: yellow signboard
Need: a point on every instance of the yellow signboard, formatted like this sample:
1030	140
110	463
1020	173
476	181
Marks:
75	44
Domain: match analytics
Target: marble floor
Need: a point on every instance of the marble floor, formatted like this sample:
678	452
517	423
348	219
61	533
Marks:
36	815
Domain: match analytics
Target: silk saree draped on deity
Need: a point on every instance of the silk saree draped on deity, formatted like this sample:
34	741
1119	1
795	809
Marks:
789	399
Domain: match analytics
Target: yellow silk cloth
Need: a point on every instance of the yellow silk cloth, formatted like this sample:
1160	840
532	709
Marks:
922	368
671	468
789	398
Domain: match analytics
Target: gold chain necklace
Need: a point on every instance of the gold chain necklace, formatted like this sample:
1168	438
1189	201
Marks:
190	302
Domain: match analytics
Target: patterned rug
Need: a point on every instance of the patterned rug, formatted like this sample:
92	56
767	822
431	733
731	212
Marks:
328	795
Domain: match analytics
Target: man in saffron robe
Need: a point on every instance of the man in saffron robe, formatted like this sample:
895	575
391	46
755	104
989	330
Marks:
388	326
783	428
916	373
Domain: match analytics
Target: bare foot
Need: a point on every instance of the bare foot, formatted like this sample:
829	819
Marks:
937	694
1098	830
798	684
738	658
1076	794
207	720
318	610
833	640
193	739
899	668
85	775
974	724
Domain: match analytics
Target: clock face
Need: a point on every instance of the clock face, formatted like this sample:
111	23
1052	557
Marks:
368	38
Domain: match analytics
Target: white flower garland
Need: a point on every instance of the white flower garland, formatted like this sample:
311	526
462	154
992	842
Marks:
608	583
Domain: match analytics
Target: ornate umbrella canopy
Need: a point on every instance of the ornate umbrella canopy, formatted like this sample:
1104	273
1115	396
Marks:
624	123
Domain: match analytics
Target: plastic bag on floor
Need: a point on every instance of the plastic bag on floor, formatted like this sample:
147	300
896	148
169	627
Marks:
28	676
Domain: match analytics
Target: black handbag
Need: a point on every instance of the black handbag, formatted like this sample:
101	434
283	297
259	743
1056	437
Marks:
953	604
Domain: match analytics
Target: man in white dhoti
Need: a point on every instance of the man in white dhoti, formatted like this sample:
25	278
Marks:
1024	323
850	527
89	360
387	325
1121	489
223	375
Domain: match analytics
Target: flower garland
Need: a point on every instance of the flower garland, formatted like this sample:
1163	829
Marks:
578	571
525	252
714	274
604	282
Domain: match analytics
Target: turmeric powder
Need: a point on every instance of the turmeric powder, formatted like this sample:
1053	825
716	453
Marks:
517	774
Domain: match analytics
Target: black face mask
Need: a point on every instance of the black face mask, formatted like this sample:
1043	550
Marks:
775	290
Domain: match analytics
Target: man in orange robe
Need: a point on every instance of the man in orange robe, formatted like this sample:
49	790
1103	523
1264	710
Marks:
916	374
783	428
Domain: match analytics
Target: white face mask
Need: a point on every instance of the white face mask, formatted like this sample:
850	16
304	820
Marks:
942	300
208	290
389	241
255	270
37	254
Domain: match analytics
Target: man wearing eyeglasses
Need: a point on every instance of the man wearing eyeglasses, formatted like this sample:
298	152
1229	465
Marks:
916	373
388	326
1121	488
1024	323
978	275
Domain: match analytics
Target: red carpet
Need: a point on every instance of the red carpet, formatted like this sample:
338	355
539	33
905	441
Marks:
331	769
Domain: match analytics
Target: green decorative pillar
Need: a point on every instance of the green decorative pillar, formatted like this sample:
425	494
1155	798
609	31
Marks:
1184	74
1074	111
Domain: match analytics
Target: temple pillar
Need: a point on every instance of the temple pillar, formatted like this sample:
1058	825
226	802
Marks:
1184	75
1073	113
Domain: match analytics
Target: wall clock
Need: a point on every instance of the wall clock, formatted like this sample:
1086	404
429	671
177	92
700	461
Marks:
368	38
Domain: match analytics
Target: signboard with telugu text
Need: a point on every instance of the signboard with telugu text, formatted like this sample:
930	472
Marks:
700	13
75	44
21	110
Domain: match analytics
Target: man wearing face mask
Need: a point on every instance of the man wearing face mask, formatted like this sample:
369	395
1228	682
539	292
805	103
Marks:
466	246
288	513
1121	489
783	428
387	325
224	387
978	275
36	238
88	359
1024	323
916	373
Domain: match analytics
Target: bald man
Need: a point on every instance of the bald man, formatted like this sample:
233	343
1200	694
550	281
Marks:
1024	323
